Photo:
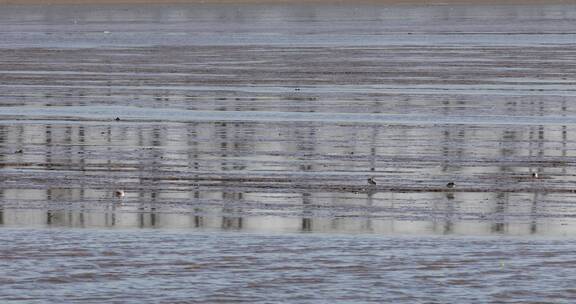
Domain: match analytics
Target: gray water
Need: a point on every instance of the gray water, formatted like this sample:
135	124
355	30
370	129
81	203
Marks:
244	136
180	266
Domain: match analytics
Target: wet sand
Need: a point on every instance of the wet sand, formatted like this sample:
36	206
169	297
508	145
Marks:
243	136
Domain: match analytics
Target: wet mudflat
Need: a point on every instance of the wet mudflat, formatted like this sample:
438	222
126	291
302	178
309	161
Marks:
270	119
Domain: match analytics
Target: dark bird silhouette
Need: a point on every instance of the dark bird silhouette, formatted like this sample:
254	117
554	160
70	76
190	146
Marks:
371	181
119	193
450	185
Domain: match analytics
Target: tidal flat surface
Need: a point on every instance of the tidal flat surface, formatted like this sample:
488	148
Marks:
258	127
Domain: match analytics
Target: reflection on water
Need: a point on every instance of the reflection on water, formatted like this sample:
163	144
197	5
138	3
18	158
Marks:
272	118
290	177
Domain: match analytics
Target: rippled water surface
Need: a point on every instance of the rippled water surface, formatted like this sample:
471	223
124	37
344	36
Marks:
151	266
244	137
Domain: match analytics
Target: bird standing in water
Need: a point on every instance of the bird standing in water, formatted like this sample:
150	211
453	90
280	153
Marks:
119	193
450	185
371	181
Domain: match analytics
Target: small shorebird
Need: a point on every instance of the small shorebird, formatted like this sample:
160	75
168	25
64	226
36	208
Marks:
371	180
523	177
119	193
450	185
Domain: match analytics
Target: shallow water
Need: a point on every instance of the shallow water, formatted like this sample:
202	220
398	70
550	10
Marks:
245	137
168	266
